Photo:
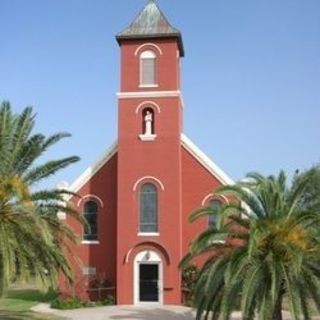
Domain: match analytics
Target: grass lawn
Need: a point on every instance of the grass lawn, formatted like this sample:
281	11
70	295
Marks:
16	305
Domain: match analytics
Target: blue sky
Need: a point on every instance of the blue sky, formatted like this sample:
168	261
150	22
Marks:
250	77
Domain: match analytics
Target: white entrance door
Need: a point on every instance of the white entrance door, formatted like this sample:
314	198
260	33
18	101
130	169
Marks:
148	278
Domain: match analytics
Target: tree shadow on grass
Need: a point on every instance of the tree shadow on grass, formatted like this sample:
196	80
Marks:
31	295
12	315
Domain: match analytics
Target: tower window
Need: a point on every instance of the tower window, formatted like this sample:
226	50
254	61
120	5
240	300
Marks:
214	205
91	218
148	208
148	68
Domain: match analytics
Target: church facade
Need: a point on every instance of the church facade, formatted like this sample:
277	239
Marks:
137	198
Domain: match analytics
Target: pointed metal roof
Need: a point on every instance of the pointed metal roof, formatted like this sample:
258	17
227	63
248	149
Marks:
151	23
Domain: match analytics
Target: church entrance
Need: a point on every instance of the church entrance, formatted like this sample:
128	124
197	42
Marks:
148	278
148	283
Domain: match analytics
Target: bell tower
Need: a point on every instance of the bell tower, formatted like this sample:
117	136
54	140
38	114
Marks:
149	159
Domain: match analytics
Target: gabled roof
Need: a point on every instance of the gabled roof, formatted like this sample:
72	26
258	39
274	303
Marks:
151	23
205	161
199	155
93	169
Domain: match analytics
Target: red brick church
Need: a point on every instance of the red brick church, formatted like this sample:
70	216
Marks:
137	198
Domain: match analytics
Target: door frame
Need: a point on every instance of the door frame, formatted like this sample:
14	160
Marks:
147	257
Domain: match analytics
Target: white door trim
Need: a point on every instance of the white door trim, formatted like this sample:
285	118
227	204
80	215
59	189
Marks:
147	257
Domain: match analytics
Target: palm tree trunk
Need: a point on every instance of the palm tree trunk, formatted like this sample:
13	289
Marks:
277	314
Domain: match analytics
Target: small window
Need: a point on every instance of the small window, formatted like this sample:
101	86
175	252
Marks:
91	218
89	271
148	208
148	68
214	205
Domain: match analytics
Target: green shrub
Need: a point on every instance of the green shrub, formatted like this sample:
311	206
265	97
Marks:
67	303
100	281
190	276
108	301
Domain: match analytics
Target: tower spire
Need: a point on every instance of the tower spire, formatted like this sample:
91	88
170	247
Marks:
151	23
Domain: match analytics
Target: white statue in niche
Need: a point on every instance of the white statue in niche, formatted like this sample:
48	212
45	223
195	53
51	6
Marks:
148	123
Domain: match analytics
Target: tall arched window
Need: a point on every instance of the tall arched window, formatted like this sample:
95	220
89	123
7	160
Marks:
214	205
148	68
91	217
148	208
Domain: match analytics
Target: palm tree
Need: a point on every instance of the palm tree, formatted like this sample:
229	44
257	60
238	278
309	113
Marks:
33	241
312	190
265	248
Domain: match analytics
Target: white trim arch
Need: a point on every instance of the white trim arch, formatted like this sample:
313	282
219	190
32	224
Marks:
149	44
148	54
148	179
90	196
212	196
147	104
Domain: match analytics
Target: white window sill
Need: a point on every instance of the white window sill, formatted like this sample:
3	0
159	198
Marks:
218	241
90	242
148	234
147	137
148	85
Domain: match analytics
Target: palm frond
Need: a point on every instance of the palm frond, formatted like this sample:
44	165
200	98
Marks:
265	247
33	240
48	169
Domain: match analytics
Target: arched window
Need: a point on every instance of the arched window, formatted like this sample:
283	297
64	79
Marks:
214	205
148	208
148	68
91	217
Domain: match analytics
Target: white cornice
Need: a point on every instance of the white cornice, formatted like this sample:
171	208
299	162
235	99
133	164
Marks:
148	94
93	169
205	161
151	94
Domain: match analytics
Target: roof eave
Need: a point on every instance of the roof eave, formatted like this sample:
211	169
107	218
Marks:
205	161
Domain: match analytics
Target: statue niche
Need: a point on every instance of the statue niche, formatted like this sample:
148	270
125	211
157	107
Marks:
148	125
